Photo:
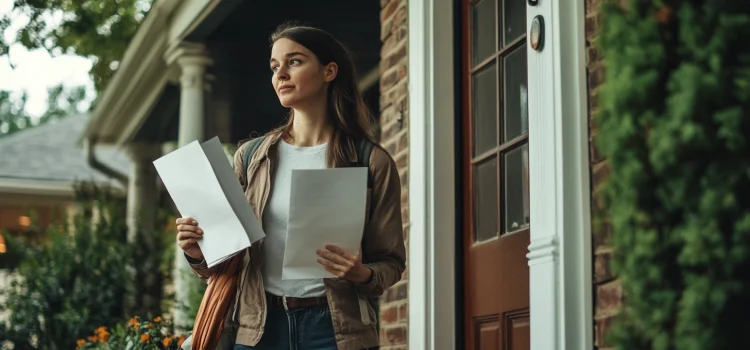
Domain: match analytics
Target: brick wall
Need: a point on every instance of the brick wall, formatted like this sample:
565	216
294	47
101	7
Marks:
394	136
607	287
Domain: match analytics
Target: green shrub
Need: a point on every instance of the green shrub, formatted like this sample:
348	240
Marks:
675	129
74	282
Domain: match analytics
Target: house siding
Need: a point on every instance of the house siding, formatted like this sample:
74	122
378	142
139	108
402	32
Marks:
394	137
607	287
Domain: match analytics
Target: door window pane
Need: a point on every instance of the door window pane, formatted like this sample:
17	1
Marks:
485	200
484	96
515	103
516	188
514	23
483	30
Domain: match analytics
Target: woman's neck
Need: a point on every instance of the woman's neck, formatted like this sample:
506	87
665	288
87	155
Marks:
310	128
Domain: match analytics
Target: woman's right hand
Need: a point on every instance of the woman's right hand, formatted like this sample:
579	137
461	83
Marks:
188	234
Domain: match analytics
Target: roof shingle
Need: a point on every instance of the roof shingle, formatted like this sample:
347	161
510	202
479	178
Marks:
48	152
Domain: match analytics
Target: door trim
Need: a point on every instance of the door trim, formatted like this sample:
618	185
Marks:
560	270
560	251
432	175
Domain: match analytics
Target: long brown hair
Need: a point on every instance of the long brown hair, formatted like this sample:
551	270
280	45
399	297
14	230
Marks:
346	108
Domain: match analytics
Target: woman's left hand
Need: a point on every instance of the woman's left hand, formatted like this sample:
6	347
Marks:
344	264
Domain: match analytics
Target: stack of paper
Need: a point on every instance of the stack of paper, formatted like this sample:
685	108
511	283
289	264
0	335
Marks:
204	187
327	206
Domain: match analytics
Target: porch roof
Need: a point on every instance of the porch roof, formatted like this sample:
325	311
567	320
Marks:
142	100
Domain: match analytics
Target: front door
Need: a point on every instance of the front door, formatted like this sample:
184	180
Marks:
496	169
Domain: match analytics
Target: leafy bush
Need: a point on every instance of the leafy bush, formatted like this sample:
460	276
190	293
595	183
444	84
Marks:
72	283
675	128
137	334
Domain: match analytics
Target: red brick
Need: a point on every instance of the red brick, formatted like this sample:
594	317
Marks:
595	156
388	46
403	141
384	2
393	57
402	161
596	77
400	17
389	10
601	230
405	179
601	328
403	312
395	335
389	314
592	26
602	268
389	79
609	298
600	172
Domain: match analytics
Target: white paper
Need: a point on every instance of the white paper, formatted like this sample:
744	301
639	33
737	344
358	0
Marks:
327	206
203	186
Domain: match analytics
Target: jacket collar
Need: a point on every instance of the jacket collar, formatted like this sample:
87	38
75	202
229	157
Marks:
265	146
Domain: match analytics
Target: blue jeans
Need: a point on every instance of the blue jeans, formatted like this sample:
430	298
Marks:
309	328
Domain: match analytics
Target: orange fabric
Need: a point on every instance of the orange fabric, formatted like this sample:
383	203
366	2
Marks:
209	323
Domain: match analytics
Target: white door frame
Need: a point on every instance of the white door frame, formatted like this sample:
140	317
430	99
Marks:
560	251
432	317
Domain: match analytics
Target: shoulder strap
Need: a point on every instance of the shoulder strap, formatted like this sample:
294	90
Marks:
364	149
249	152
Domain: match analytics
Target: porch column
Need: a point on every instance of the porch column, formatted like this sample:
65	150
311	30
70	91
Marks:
192	60
142	230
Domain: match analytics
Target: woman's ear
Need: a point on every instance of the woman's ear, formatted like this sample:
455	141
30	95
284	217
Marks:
331	70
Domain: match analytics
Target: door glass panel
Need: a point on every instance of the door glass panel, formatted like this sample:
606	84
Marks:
516	188
515	102
485	200
514	23
483	30
484	104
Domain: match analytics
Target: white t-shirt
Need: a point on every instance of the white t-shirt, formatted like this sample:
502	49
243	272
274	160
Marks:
275	217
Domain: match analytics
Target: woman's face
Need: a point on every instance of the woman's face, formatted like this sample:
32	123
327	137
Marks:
298	77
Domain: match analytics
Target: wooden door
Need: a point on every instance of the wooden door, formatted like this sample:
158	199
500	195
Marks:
496	169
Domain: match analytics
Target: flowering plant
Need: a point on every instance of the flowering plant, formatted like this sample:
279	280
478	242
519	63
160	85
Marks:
137	334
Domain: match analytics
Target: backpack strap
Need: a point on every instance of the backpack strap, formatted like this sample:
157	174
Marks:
249	152
364	149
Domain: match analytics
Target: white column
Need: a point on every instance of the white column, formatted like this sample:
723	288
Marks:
192	60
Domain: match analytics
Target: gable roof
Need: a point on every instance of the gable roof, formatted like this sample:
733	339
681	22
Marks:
49	153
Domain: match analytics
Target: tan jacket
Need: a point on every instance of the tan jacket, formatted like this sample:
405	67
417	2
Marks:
383	251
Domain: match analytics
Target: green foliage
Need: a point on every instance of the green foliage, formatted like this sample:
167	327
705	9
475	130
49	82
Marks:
10	259
73	283
137	334
674	127
61	102
92	28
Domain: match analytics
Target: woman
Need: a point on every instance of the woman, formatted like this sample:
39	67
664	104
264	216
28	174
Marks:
314	76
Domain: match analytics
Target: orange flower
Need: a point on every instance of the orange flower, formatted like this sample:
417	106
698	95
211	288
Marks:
100	329
81	342
157	319
182	340
166	341
134	323
145	338
93	338
104	336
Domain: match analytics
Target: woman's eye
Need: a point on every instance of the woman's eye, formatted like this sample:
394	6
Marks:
274	68
295	61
